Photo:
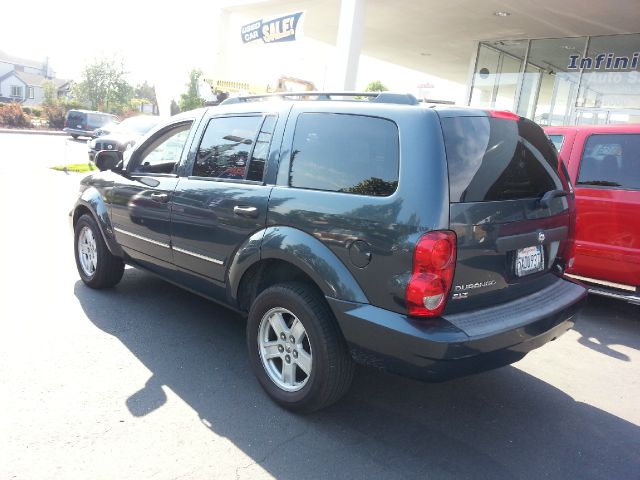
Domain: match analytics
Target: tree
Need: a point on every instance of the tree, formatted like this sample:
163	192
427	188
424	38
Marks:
191	99
50	93
175	109
103	86
376	86
146	92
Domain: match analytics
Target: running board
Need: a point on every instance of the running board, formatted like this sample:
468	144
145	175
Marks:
634	299
619	291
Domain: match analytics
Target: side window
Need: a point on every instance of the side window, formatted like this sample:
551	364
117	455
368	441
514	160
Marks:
345	153
163	153
557	141
611	161
226	146
261	150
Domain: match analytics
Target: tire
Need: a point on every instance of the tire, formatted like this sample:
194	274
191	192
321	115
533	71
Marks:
321	349
97	267
75	137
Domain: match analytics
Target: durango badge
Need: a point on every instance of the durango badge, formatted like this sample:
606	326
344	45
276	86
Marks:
462	291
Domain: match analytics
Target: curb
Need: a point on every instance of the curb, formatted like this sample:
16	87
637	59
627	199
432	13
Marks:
32	132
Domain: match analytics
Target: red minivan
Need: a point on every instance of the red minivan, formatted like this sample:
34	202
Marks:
603	162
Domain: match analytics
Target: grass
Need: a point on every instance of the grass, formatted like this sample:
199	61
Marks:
76	167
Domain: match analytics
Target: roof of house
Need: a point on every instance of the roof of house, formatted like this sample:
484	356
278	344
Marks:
5	57
31	79
11	73
60	82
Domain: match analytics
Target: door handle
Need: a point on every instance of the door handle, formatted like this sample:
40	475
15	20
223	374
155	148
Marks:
160	197
245	211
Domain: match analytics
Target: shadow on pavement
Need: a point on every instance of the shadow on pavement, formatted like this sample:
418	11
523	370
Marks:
605	323
501	424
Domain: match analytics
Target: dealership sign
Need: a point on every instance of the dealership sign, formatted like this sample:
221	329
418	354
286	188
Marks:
604	61
282	29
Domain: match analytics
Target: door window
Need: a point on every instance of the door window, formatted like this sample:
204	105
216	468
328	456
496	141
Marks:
226	147
611	161
163	154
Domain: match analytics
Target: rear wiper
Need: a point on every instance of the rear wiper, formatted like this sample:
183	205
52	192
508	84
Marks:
550	195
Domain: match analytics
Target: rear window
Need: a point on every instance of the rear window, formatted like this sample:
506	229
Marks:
494	159
345	153
75	117
611	161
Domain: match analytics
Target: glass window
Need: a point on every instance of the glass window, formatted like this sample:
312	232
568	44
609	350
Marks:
345	153
95	120
498	68
611	161
492	159
225	147
16	91
31	92
261	150
611	80
557	141
553	100
163	153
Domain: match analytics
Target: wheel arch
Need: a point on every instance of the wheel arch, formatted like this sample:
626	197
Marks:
279	254
92	203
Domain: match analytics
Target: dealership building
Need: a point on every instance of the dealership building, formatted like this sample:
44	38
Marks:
569	62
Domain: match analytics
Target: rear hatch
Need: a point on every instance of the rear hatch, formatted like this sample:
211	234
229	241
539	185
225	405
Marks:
507	207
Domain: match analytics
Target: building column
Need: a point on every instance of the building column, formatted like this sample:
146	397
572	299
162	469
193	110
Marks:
349	44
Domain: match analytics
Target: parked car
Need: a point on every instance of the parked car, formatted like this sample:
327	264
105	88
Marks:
424	241
122	135
603	162
104	129
82	123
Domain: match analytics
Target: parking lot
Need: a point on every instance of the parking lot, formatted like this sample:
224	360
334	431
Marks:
147	380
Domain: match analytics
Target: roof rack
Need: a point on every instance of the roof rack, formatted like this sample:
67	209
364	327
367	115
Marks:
375	97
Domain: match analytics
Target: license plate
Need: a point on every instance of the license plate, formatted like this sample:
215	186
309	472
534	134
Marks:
529	260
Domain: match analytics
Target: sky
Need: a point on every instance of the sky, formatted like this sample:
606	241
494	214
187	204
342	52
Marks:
160	42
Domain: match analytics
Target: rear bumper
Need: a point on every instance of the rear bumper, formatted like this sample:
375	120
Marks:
460	344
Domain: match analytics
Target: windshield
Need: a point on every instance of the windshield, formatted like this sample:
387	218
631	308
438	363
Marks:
137	125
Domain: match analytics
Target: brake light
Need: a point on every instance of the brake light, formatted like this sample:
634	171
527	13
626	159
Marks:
504	115
434	262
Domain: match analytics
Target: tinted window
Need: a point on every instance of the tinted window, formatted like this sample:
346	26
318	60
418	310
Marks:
75	117
261	150
493	159
345	153
557	141
611	161
225	147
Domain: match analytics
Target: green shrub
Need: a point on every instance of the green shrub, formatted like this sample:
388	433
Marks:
27	110
12	115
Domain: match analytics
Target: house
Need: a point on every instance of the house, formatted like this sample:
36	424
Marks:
21	80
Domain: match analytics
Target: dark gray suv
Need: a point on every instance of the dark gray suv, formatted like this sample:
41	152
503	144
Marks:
425	241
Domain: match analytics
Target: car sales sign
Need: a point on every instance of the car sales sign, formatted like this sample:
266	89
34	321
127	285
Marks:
282	29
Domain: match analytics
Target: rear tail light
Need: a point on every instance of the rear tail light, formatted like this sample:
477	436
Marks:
434	262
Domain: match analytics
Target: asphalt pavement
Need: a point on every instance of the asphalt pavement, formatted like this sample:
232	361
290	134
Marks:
149	381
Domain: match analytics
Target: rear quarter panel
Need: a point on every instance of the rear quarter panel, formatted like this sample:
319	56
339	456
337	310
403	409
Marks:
390	225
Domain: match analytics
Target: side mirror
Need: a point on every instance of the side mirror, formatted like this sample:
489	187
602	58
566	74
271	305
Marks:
107	159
